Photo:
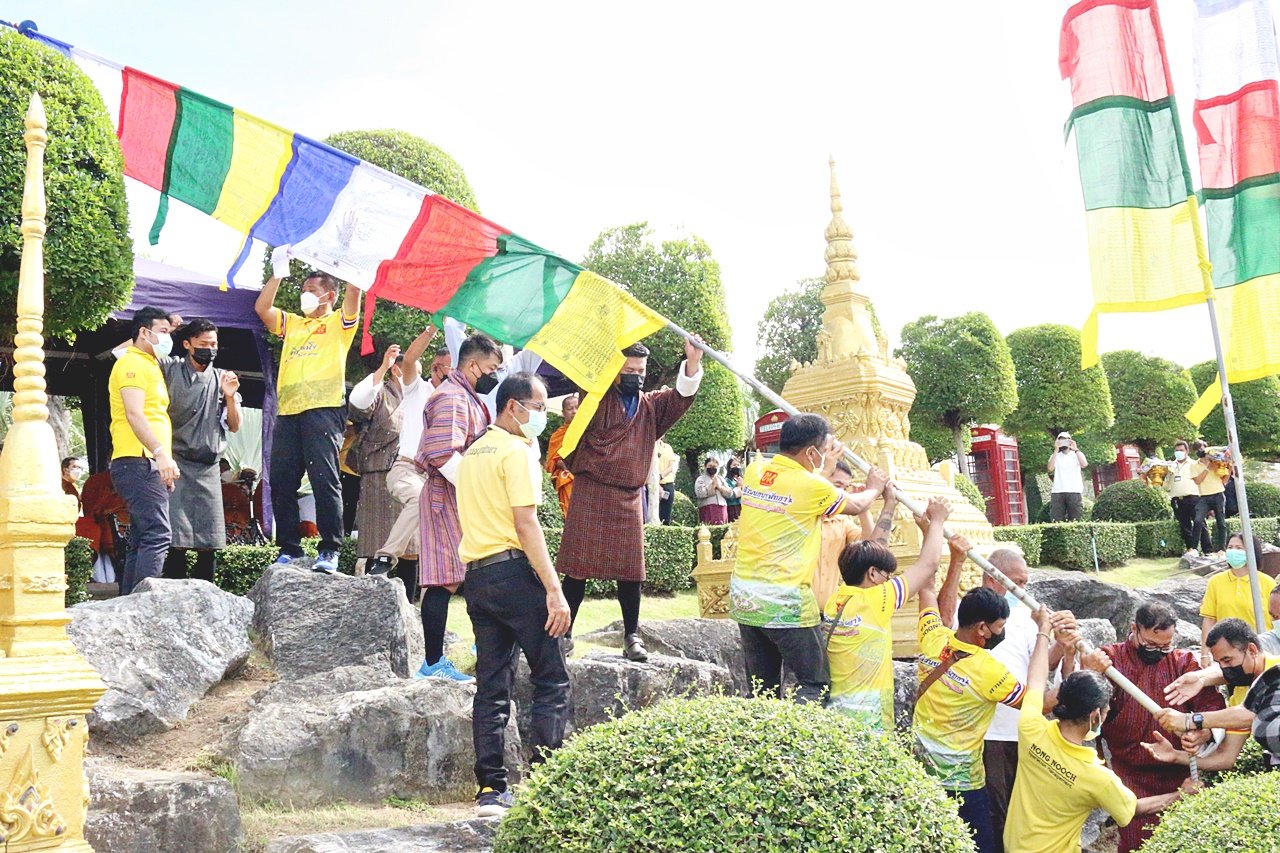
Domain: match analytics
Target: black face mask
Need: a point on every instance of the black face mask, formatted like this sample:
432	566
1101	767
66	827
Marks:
733	472
1152	656
994	640
486	383
1235	676
1202	453
631	383
204	355
711	472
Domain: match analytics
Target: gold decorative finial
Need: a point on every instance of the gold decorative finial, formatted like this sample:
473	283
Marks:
841	256
846	323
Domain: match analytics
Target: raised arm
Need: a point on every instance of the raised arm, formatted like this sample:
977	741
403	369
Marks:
884	524
1038	670
949	595
921	576
859	502
229	385
412	367
265	304
351	302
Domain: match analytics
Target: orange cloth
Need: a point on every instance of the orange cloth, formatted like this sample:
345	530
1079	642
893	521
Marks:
99	500
837	532
560	477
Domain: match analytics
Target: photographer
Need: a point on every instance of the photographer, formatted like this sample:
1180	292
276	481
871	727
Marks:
1066	464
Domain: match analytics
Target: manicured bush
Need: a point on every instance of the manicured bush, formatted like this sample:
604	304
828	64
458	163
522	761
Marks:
1027	536
549	512
718	532
1264	499
1157	539
970	491
1131	500
239	566
1266	529
78	563
684	512
1239	814
1044	516
717	773
1069	545
669	556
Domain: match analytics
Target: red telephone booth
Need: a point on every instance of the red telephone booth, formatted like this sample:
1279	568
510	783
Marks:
1128	461
996	474
768	431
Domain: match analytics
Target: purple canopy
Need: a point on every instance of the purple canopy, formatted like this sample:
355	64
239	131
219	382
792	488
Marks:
190	294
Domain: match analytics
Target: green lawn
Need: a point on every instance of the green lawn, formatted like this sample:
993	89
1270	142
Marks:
1143	572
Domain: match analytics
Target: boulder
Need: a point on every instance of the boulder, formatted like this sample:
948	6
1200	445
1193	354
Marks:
1184	595
1099	632
712	640
159	650
467	836
310	622
1085	596
149	811
407	738
906	681
1186	636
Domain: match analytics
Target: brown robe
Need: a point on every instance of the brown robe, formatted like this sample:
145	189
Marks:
604	532
372	456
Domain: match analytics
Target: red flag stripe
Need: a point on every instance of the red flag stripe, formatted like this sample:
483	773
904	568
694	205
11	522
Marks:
148	108
1112	47
1239	135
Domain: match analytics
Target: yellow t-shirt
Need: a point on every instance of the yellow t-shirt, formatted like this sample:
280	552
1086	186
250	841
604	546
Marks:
498	472
952	717
1058	784
778	540
313	363
137	369
860	651
1231	597
666	455
1212	483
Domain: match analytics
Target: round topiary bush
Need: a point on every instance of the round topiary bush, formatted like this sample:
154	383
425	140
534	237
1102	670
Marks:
715	774
684	513
1131	500
1239	814
1264	500
549	512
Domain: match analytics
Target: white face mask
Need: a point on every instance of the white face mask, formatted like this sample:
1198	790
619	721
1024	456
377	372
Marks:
535	425
1180	455
309	302
1095	729
163	344
818	468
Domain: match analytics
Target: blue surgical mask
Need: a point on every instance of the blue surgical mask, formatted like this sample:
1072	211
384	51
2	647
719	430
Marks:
1012	599
163	345
1236	557
535	425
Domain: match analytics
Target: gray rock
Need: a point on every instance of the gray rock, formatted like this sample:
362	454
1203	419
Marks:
906	681
1184	595
1186	636
712	640
1084	596
345	679
149	811
159	651
410	739
1091	832
1099	632
311	622
468	836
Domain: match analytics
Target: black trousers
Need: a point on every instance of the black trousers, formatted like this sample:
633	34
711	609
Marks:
767	650
307	443
137	480
508	609
1217	505
1184	510
175	565
1066	506
666	500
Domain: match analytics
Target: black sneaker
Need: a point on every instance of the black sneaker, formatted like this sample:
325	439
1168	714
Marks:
634	650
379	565
491	803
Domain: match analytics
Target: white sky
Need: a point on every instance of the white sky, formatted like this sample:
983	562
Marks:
713	118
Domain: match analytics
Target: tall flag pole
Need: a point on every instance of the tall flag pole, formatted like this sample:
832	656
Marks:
1237	123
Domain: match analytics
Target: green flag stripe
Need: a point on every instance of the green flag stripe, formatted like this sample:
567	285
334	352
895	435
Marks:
1244	232
1128	152
200	152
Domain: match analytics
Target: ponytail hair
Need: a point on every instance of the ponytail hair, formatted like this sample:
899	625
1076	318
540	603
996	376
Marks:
1082	692
862	556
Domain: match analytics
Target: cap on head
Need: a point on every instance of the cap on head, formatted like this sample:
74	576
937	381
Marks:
1064	434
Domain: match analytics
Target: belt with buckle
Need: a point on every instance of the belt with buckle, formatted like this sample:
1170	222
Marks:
494	559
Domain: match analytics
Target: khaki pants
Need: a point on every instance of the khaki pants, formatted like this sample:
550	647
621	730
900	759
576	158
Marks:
404	482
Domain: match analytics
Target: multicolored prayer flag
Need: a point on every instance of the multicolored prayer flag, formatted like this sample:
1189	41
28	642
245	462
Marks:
1237	122
1144	250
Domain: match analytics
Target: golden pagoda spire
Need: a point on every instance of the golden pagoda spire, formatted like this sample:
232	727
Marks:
841	256
846	323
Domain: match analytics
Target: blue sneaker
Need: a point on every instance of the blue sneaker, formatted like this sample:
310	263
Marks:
327	562
442	668
491	803
284	560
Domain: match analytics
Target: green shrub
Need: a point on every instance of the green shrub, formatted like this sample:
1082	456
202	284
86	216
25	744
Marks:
77	560
1027	536
239	566
715	774
718	532
1157	539
549	512
1131	500
1266	529
1044	516
669	557
1239	814
1069	545
1264	499
684	512
966	487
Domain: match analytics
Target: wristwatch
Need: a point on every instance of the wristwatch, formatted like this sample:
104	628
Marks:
1197	720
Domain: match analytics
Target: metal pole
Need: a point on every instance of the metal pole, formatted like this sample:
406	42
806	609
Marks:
1083	646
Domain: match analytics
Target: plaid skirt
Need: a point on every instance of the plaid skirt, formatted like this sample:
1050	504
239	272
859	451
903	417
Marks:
376	511
604	533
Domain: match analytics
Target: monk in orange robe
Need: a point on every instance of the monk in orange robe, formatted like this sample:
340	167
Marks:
561	477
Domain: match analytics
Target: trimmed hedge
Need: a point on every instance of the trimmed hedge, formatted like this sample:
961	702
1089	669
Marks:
78	564
1266	529
1237	814
1069	545
1157	539
1264	499
1027	536
966	487
1086	512
1131	500
684	512
549	512
717	773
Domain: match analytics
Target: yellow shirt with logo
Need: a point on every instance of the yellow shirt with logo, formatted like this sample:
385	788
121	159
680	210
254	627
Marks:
138	369
499	471
313	363
778	541
1058	784
860	651
952	716
1229	596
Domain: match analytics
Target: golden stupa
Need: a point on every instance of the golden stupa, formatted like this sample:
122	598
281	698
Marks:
866	395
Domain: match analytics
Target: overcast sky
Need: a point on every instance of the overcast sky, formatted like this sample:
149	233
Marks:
717	119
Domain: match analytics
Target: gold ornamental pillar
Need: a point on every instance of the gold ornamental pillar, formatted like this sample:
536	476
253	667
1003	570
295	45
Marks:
46	687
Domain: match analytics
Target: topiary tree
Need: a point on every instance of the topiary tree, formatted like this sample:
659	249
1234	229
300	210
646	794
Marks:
967	488
715	774
88	255
1131	500
1257	406
684	512
1054	394
1150	397
1238	814
788	331
963	373
938	441
715	421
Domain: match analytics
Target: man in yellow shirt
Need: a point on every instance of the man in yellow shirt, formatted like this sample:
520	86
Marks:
311	389
841	531
512	590
142	466
668	464
1213	499
769	593
1229	594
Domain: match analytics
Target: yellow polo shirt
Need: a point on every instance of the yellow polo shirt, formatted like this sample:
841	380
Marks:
778	541
1229	596
313	363
861	650
137	369
1212	484
499	471
1058	784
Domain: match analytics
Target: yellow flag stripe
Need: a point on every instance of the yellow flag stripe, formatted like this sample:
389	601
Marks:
258	159
1246	313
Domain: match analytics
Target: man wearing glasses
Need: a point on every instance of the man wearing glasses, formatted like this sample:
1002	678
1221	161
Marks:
512	590
1147	657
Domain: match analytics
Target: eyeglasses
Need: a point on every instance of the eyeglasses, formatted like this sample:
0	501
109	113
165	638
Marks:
532	407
